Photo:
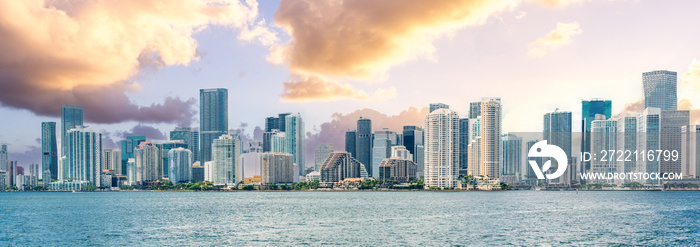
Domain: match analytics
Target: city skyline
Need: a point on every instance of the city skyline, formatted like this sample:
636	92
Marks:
256	81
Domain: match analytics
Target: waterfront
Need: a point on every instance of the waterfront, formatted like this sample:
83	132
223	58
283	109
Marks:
351	218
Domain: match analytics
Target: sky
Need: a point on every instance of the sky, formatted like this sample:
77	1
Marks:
137	66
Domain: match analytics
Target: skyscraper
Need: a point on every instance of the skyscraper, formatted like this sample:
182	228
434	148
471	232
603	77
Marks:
660	89
189	137
442	148
627	140
295	134
148	163
83	155
413	141
511	157
339	166
128	147
474	109
603	137
282	121
226	154
648	139
163	151
112	160
589	110
276	168
351	143
71	116
213	116
491	136
690	148
381	148
364	143
670	135
435	106
557	131
321	154
463	145
180	165
49	149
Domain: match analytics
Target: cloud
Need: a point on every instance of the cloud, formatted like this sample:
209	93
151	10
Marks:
87	53
360	38
520	15
31	156
151	133
558	37
558	3
333	132
692	76
632	109
313	88
684	104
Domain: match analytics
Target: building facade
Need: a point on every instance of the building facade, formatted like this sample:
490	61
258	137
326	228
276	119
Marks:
83	155
49	149
112	161
491	123
670	124
148	163
321	154
397	169
339	166
180	165
277	168
213	117
442	149
363	143
128	147
71	116
227	166
660	89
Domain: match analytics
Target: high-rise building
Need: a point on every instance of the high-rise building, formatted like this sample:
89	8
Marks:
413	141
271	123
213	117
511	157
189	137
530	176
148	163
227	166
71	116
491	136
589	110
278	143
282	121
401	152
277	168
321	154
197	172
363	143
670	135
557	131
397	169
474	164
112	160
11	173
690	148
435	106
3	156
463	146
474	110
339	166
627	140
83	155
49	149
442	148
295	135
660	89
648	139
381	148
163	150
128	147
180	165
131	172
604	138
194	139
351	143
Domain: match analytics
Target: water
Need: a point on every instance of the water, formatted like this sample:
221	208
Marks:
350	218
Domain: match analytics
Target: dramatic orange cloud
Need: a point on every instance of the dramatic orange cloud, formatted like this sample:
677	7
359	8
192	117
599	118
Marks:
318	88
86	52
692	76
360	38
558	37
